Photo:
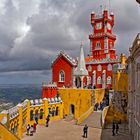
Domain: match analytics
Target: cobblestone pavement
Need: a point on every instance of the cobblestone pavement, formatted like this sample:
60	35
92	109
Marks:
63	130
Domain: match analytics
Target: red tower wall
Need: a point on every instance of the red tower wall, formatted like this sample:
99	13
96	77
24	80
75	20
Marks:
104	53
49	92
62	64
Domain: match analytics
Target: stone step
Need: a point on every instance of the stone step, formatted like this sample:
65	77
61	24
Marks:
94	120
69	118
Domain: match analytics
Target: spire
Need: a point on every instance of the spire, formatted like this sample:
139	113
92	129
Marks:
81	68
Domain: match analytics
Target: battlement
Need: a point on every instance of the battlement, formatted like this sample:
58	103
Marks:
104	16
18	117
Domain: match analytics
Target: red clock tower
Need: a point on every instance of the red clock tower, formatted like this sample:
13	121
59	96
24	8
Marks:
102	40
103	53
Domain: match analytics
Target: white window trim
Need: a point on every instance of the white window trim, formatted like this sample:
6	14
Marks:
109	67
99	80
60	77
99	68
109	80
98	45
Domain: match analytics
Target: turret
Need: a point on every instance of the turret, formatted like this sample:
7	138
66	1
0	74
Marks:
112	17
105	14
92	18
123	58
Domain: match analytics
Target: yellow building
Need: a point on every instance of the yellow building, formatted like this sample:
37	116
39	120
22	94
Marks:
78	103
17	118
120	76
118	107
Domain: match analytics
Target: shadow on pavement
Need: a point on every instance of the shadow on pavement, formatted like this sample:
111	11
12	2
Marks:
123	134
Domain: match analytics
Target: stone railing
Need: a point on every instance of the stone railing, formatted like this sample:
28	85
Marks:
5	134
104	114
17	118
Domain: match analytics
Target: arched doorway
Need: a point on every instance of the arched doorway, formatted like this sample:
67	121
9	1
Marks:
78	82
72	109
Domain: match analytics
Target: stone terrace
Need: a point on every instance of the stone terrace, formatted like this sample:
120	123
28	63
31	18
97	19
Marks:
64	130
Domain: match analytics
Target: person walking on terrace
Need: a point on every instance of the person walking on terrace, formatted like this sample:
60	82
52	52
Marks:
117	128
28	129
85	131
113	128
47	120
34	126
36	119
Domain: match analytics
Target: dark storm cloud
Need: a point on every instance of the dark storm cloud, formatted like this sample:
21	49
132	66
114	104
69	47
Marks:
33	32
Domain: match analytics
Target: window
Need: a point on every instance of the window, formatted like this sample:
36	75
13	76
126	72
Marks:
99	68
61	76
31	115
99	80
94	78
111	45
108	80
98	46
99	25
109	67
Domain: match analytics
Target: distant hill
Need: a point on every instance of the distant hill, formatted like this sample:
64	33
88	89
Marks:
14	94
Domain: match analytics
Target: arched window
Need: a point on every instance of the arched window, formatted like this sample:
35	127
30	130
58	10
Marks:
109	67
41	114
99	68
61	76
57	110
98	46
111	45
109	80
31	115
99	80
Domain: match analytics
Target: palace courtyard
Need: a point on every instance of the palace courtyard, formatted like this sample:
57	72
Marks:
68	130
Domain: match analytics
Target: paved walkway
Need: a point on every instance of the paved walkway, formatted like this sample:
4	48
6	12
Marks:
64	130
123	133
93	120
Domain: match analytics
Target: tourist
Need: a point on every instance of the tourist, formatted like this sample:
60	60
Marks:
36	119
28	129
31	130
85	131
47	120
113	128
117	128
34	126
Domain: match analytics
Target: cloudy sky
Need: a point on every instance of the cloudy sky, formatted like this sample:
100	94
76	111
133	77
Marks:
32	32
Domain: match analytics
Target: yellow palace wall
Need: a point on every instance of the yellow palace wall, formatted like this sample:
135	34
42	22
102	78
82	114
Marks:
18	121
81	99
120	82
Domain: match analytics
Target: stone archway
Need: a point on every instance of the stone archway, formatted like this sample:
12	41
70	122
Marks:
72	109
78	82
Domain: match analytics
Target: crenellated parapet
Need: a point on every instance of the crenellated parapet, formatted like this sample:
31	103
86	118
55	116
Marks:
18	117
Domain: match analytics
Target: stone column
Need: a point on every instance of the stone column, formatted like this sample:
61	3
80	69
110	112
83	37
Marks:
45	102
28	111
20	109
61	110
73	82
82	78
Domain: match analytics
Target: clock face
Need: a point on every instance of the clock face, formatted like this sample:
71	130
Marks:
99	25
108	26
